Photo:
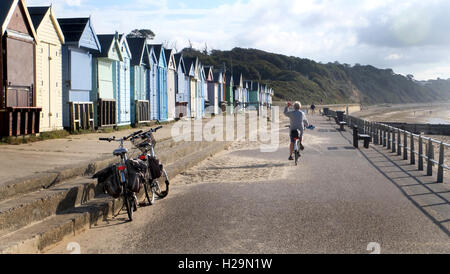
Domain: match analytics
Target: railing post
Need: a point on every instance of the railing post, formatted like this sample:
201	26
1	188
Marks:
420	152
405	146
413	154
393	141
355	136
381	134
389	138
384	136
399	147
375	134
441	164
430	158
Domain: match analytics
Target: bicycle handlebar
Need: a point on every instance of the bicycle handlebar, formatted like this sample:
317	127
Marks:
132	135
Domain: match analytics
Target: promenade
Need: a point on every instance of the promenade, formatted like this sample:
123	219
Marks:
338	200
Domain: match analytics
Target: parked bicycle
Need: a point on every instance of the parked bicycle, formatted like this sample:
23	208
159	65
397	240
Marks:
146	143
125	178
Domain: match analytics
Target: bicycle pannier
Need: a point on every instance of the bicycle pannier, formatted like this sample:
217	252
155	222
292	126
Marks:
108	179
136	171
155	170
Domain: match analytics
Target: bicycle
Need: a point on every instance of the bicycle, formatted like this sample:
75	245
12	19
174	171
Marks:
146	143
296	150
298	146
121	171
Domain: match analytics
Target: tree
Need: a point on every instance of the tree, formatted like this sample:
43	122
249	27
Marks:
142	33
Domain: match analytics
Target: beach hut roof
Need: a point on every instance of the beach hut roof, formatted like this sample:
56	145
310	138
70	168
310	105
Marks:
179	61
137	47
7	8
38	14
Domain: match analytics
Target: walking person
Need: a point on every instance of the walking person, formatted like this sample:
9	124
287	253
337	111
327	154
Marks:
313	109
298	122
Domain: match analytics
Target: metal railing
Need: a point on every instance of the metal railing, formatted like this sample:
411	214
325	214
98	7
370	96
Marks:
404	143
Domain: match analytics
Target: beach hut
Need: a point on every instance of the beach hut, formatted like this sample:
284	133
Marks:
153	81
105	84
18	112
200	91
191	64
270	99
123	68
161	82
229	99
245	95
253	94
181	87
218	89
80	43
140	81
171	70
238	90
211	100
48	67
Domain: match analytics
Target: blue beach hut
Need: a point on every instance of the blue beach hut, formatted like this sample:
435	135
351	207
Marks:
80	43
140	82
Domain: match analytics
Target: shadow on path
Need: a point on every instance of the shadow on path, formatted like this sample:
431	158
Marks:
421	190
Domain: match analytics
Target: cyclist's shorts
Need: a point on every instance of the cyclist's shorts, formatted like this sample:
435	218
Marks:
295	134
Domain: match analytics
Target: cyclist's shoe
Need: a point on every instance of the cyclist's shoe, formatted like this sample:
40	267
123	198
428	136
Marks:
291	158
302	147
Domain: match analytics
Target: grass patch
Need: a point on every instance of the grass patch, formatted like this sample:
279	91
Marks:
35	138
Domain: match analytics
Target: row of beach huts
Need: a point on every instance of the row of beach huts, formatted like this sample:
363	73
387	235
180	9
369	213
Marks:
58	73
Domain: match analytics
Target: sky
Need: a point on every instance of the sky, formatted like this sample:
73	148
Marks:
411	37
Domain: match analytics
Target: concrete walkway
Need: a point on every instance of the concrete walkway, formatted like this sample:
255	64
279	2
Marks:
338	200
23	161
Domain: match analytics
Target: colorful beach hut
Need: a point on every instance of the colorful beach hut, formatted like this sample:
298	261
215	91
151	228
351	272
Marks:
48	67
105	84
140	81
229	99
191	64
18	112
161	82
123	69
171	70
81	42
152	76
181	87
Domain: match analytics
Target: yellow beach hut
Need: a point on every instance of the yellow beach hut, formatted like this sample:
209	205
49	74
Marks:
48	67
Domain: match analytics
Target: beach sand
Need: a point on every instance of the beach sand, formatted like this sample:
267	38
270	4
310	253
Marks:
410	113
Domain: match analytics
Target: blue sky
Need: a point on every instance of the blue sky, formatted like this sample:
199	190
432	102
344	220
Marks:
411	37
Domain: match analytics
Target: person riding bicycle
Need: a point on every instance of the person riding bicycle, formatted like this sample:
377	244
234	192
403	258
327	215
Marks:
298	123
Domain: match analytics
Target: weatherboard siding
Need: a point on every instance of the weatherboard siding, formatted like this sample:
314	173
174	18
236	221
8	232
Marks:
49	76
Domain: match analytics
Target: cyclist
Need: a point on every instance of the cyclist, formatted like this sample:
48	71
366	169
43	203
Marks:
298	123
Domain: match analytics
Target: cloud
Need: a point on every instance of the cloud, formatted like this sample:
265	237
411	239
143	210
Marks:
387	34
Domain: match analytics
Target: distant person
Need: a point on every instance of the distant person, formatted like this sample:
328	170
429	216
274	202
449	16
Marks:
298	123
313	109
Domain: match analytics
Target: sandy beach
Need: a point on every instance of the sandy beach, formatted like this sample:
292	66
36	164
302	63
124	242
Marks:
408	113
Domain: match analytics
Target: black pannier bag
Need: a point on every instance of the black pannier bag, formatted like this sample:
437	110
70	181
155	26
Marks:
109	180
136	170
154	168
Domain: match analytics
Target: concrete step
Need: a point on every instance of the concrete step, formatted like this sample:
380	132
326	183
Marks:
20	211
35	221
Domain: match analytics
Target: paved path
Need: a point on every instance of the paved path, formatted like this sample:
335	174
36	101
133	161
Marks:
243	201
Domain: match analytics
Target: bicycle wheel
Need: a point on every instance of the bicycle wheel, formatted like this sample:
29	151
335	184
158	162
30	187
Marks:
149	192
162	190
129	206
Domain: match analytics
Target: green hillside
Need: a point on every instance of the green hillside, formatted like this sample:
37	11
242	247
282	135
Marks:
295	78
